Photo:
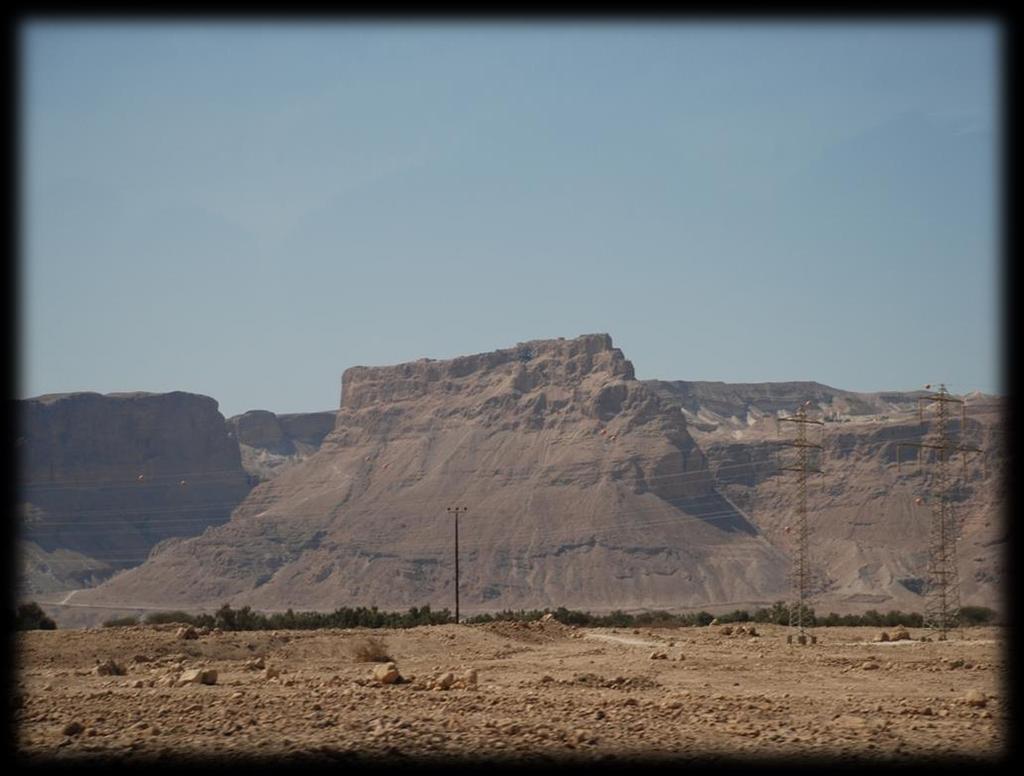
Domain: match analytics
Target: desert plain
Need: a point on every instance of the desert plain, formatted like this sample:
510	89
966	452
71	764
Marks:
517	692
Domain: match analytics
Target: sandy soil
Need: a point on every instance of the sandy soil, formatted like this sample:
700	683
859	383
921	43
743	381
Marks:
543	691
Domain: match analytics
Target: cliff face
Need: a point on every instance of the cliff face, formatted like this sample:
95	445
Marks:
713	405
583	490
103	478
271	443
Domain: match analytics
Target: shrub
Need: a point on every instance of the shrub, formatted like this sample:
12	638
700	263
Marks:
370	649
120	622
976	615
166	618
31	616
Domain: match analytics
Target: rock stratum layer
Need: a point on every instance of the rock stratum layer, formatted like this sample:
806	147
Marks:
104	478
584	490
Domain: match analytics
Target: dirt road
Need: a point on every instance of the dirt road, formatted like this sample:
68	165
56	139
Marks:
542	691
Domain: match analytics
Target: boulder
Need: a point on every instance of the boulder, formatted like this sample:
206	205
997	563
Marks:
882	637
386	673
198	676
901	634
186	632
975	697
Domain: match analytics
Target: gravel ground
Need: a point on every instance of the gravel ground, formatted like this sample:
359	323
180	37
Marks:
541	692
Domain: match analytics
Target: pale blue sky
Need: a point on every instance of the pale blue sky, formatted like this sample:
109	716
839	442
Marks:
246	210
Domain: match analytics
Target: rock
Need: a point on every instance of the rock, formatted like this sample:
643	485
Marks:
198	676
975	697
386	673
186	632
883	636
901	634
109	668
72	729
445	681
752	631
254	664
271	673
470	677
658	656
714	621
547	617
869	665
726	630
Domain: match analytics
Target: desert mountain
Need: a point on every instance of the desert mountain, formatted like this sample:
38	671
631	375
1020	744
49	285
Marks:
584	490
103	478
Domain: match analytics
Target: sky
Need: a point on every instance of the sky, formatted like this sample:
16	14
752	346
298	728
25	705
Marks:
245	210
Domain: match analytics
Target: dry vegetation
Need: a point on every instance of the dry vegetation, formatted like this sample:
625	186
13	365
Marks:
370	649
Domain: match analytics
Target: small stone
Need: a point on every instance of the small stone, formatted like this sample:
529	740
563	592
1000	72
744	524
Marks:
72	729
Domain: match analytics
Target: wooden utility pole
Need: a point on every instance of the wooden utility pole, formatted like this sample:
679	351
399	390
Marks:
455	511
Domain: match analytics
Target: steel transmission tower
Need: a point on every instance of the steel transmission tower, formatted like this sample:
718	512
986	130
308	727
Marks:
801	566
942	591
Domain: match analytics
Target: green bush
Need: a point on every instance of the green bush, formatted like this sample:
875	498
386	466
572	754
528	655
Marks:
166	618
977	615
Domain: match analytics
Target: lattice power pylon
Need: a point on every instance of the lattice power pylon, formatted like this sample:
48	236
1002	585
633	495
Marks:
942	590
801	556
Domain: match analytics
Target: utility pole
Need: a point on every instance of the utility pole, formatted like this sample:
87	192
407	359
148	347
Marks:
942	593
801	568
455	511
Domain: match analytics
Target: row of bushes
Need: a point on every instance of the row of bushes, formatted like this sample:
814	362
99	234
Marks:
245	618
